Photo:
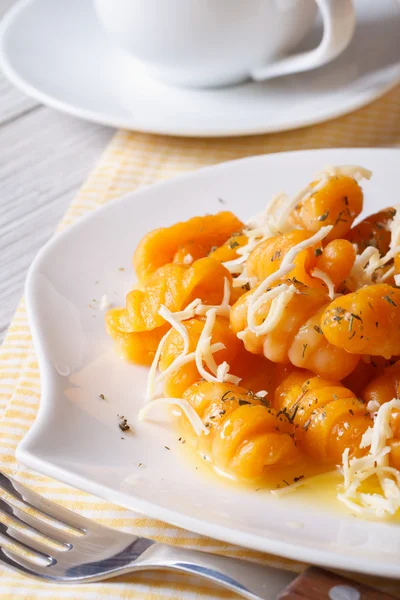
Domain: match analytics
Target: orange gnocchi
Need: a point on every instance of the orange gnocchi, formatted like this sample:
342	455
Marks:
277	342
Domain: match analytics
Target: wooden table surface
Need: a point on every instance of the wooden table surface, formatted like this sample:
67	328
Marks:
45	156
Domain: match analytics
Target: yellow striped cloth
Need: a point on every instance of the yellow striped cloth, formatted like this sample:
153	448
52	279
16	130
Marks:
133	160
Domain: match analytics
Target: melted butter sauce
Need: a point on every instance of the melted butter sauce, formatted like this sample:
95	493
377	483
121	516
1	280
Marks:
319	487
313	477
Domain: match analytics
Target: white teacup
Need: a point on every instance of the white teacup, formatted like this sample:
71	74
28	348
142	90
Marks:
206	43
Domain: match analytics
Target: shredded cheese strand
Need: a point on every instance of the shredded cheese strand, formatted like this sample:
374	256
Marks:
366	264
180	361
355	171
236	265
376	262
375	463
281	296
203	348
224	375
395	228
187	313
260	294
319	274
270	222
174	319
389	273
176	324
287	263
184	405
203	354
357	277
151	379
244	281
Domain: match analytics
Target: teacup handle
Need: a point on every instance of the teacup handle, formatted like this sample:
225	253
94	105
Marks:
338	18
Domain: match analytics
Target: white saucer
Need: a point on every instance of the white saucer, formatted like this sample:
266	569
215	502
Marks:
57	53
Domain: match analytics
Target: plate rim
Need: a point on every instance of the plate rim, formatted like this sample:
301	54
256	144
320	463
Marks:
11	17
326	558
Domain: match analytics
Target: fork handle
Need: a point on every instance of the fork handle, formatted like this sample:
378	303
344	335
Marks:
250	580
315	583
255	581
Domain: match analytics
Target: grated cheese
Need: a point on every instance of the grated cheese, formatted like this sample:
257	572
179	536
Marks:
151	379
365	265
188	259
395	238
271	221
262	293
204	350
373	406
187	313
244	280
182	360
275	220
376	263
236	265
395	228
327	280
104	303
184	405
375	463
174	319
176	324
224	375
260	228
389	273
355	171
203	353
281	296
358	276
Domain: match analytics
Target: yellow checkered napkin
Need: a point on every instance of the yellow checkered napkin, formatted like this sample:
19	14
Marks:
133	160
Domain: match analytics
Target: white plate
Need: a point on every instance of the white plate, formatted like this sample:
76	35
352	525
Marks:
57	53
76	438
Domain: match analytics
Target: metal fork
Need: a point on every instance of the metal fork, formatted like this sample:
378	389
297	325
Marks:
88	552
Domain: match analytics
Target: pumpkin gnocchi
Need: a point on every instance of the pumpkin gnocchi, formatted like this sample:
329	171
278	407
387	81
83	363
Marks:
277	342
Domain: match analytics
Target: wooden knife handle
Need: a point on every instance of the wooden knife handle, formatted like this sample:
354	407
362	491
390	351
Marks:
317	584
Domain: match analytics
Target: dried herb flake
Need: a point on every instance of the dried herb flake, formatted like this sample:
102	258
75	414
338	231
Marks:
388	299
299	478
123	424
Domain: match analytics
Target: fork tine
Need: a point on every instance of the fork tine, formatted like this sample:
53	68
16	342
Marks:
25	543
17	563
39	527
46	507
